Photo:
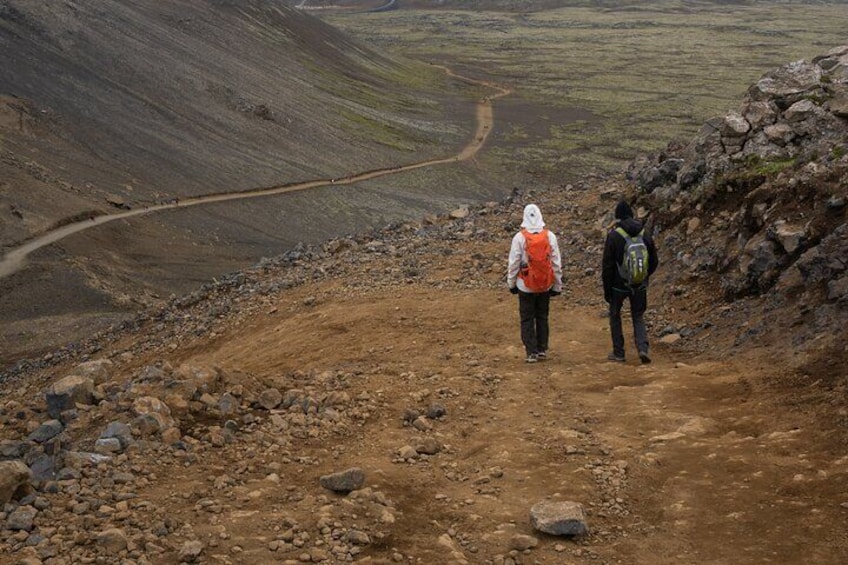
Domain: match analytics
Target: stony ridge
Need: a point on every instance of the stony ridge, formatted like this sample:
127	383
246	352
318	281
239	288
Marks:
755	205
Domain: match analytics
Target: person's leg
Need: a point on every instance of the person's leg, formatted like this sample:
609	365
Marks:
638	305
543	304
527	311
615	324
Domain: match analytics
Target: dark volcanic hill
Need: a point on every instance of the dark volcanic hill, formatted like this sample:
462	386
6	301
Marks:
133	103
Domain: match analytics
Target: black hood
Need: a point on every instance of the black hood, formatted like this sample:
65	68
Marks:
631	225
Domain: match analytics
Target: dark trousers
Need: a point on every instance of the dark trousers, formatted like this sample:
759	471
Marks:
638	305
533	309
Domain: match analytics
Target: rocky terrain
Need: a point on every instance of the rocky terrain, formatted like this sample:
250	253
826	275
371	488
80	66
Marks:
365	400
755	205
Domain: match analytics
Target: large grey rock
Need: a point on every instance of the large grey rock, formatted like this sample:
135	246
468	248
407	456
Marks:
801	110
779	133
228	404
120	431
788	84
66	393
15	479
734	126
46	431
108	445
22	518
270	398
113	540
42	467
559	518
344	481
11	449
760	113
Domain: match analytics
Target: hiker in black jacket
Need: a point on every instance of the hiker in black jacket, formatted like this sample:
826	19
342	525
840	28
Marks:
617	289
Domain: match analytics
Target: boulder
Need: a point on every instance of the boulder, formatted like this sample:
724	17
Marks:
190	551
155	408
779	133
270	398
788	84
839	105
760	113
113	540
22	518
46	431
734	126
789	236
523	542
66	393
759	258
99	370
119	431
559	518
801	110
344	481
15	479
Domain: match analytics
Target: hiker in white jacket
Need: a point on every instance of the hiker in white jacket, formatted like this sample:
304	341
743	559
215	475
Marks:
534	274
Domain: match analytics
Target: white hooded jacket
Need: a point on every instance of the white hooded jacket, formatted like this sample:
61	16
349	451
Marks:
518	255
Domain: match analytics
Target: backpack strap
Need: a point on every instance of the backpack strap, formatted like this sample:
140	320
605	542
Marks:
627	237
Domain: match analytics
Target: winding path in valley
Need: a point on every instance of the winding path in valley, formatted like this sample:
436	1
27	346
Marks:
15	259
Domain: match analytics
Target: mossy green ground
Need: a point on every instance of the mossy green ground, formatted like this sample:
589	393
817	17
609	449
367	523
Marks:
647	73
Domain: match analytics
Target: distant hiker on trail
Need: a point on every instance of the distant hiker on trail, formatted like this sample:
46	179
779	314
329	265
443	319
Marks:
534	274
630	258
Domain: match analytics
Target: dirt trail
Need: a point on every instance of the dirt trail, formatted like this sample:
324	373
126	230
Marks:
15	259
677	461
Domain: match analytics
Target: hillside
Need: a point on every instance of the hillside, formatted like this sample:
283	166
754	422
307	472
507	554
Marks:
366	400
112	105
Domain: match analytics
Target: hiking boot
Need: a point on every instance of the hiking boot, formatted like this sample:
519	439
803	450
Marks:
541	355
616	358
532	358
643	355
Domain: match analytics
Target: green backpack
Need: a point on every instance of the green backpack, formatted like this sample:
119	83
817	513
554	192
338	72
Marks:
634	266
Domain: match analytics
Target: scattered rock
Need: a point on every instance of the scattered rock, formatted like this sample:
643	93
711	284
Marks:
15	479
113	540
190	551
559	518
46	431
522	542
344	481
270	398
22	518
66	393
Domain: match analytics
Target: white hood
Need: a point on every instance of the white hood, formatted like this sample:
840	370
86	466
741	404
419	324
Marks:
532	219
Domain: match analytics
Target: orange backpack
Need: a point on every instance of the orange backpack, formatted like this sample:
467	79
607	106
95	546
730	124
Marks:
538	273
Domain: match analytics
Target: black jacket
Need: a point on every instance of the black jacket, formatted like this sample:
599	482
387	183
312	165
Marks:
614	254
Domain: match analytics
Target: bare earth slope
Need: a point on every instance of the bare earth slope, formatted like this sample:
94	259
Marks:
398	353
142	102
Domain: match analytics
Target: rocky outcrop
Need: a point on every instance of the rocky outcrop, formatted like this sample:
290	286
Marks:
757	200
794	113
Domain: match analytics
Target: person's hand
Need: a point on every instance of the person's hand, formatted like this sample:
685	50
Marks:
554	292
513	290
